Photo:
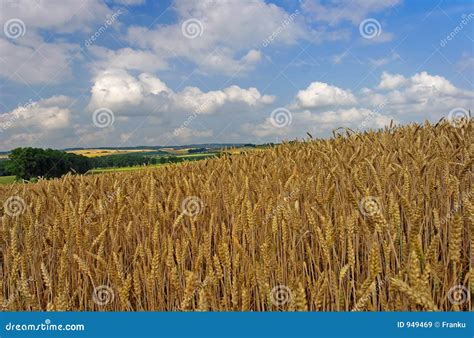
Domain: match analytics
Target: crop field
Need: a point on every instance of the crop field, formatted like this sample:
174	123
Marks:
376	221
107	152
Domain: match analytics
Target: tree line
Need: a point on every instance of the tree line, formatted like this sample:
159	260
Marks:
28	163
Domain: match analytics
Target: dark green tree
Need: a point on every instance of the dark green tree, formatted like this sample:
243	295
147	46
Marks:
28	163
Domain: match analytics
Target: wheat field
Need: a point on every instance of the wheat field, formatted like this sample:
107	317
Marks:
373	221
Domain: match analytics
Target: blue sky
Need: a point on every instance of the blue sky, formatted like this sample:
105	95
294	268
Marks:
177	72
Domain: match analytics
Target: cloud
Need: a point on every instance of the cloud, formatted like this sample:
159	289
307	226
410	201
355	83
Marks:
62	16
187	134
384	36
214	37
398	98
36	62
422	81
385	60
138	70
331	117
266	129
43	120
27	57
146	94
466	63
320	123
391	81
130	2
47	114
320	94
338	58
335	11
126	58
116	89
421	96
357	12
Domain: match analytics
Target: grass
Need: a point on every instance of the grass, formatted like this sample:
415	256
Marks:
122	169
376	221
174	151
7	179
190	157
203	155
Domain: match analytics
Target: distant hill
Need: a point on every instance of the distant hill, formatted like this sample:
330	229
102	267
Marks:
209	146
184	146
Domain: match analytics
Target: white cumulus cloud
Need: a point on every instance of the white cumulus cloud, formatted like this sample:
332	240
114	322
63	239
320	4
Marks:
318	108
320	94
230	34
146	94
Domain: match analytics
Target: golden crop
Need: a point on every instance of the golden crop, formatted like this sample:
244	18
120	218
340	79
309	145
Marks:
370	221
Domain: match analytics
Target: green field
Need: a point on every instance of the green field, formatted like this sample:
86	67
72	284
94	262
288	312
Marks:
189	157
203	155
137	167
7	179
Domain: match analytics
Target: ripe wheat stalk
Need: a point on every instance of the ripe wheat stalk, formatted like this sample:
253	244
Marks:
376	221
